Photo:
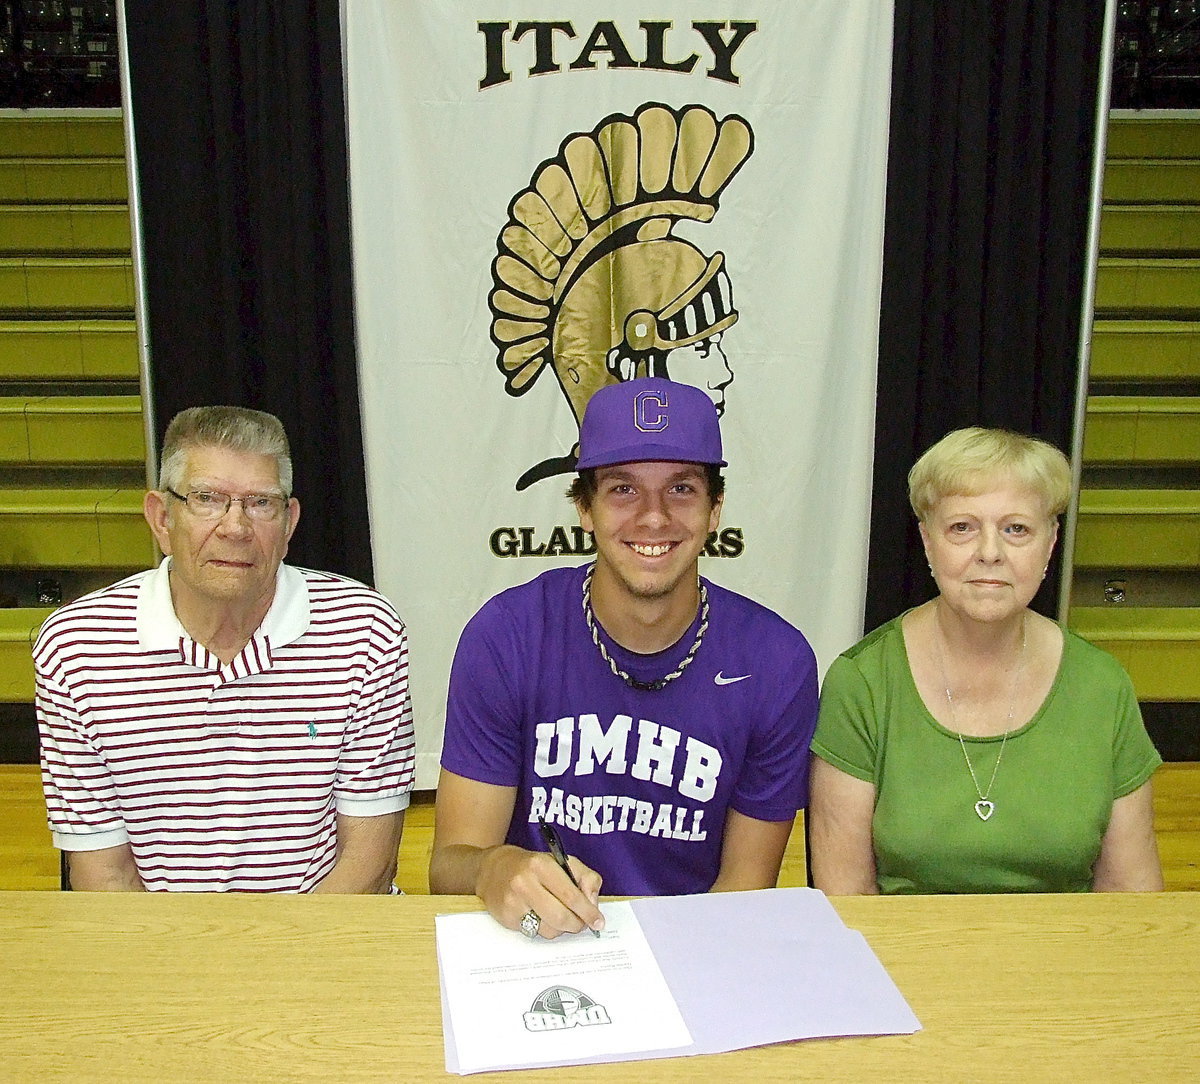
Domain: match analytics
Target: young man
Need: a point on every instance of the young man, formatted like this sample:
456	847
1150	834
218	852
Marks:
226	722
658	722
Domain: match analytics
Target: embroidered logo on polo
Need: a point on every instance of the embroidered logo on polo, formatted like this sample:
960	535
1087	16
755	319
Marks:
590	278
560	1007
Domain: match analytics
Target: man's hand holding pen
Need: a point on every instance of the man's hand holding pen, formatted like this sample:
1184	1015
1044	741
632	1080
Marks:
533	892
531	922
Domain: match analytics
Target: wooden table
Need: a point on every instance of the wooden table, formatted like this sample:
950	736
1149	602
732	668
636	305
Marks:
239	988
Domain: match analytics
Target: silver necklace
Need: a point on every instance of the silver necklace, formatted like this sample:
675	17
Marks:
984	807
632	682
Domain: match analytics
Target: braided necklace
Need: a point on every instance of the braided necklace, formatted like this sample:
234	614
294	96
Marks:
984	807
632	682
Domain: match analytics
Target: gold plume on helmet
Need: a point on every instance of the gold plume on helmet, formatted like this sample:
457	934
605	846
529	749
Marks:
581	264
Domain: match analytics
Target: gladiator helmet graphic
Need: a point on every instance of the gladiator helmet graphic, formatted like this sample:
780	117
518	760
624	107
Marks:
588	278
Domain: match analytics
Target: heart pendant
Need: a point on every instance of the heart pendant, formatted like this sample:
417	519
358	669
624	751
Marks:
985	808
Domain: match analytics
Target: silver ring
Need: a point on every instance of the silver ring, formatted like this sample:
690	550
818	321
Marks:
530	924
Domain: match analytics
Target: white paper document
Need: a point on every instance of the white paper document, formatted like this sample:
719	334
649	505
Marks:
697	975
520	1002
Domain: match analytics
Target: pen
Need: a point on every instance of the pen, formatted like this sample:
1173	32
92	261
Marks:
555	847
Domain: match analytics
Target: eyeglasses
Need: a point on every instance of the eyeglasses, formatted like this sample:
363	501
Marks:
209	504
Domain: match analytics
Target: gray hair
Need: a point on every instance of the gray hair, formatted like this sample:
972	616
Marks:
239	429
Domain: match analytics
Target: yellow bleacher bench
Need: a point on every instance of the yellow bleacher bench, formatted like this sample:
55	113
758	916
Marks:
1169	283
1145	350
1149	180
74	528
1159	647
72	429
64	136
18	629
1142	429
68	350
72	283
37	228
1171	228
1138	528
1161	136
58	180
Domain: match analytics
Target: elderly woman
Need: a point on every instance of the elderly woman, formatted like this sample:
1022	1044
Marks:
971	745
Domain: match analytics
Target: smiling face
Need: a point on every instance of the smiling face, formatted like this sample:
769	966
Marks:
650	521
230	561
989	551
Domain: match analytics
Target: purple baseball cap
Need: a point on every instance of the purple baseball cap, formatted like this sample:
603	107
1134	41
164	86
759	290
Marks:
649	419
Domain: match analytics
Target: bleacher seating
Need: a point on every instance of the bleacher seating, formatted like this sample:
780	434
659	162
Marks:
1137	551
72	438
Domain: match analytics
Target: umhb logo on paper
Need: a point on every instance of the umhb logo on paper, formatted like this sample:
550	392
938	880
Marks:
561	1007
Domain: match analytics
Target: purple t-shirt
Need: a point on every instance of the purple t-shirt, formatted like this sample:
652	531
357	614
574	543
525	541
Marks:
638	783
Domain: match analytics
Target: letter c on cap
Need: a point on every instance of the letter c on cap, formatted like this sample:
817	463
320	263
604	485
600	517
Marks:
650	411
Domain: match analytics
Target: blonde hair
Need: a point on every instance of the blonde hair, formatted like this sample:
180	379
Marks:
971	461
237	428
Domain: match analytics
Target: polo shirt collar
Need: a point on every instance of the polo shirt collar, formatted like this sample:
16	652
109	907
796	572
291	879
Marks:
158	629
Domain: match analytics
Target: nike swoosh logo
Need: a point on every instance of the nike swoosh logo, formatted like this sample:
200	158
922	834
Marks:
721	679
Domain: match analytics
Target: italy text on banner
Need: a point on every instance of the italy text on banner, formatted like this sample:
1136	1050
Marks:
552	196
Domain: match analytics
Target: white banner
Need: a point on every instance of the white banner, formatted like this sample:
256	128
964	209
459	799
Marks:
550	196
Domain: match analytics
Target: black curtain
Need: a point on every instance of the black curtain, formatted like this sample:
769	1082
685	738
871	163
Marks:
992	135
241	154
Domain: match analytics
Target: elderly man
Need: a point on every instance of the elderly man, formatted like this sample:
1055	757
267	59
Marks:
658	723
226	722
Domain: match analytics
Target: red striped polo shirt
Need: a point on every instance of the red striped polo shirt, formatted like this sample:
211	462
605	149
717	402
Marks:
223	777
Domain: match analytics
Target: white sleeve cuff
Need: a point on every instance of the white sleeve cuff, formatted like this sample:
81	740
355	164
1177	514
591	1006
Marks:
89	841
371	807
